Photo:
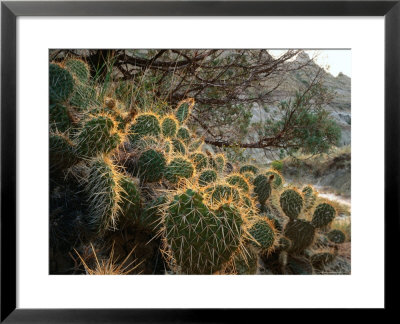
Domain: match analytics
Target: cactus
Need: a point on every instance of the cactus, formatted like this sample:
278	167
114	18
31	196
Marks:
246	263
179	167
323	215
309	197
262	187
222	192
184	135
62	152
336	236
249	168
178	146
130	195
319	260
278	178
249	176
291	203
104	194
144	124
151	165
200	240
169	126
301	233
264	234
284	243
207	177
59	119
151	217
61	84
99	134
78	68
184	109
239	181
200	160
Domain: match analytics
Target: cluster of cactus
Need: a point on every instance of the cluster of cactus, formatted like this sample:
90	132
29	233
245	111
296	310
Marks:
145	169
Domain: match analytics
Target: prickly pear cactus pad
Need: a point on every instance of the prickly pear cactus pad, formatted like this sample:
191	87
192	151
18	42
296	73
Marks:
239	181
183	134
184	109
207	177
319	260
200	160
79	69
220	162
104	197
151	165
144	124
262	188
249	168
178	146
62	152
336	236
221	192
200	240
169	126
59	119
178	168
323	215
291	203
151	217
264	235
99	134
246	263
130	196
61	84
278	178
301	233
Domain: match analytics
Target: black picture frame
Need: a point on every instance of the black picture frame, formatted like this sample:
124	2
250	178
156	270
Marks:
9	13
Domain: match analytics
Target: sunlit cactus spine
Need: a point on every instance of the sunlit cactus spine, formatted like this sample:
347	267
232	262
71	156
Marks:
264	234
178	146
78	68
150	218
104	195
184	135
239	181
222	191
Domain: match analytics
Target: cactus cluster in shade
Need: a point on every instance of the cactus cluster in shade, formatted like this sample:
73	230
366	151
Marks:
140	169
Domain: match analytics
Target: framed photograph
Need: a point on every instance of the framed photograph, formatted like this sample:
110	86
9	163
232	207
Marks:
160	158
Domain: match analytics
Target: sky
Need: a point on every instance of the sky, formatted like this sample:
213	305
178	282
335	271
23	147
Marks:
334	61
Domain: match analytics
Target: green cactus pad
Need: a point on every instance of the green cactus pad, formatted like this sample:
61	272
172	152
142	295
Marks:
151	216
291	203
262	188
169	127
200	160
179	168
78	68
151	165
178	146
183	134
238	181
278	179
98	135
319	260
220	161
249	168
59	119
249	176
299	266
62	152
207	177
222	192
309	197
201	240
246	265
144	124
61	84
284	243
336	236
323	215
103	195
183	111
130	198
264	234
301	233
